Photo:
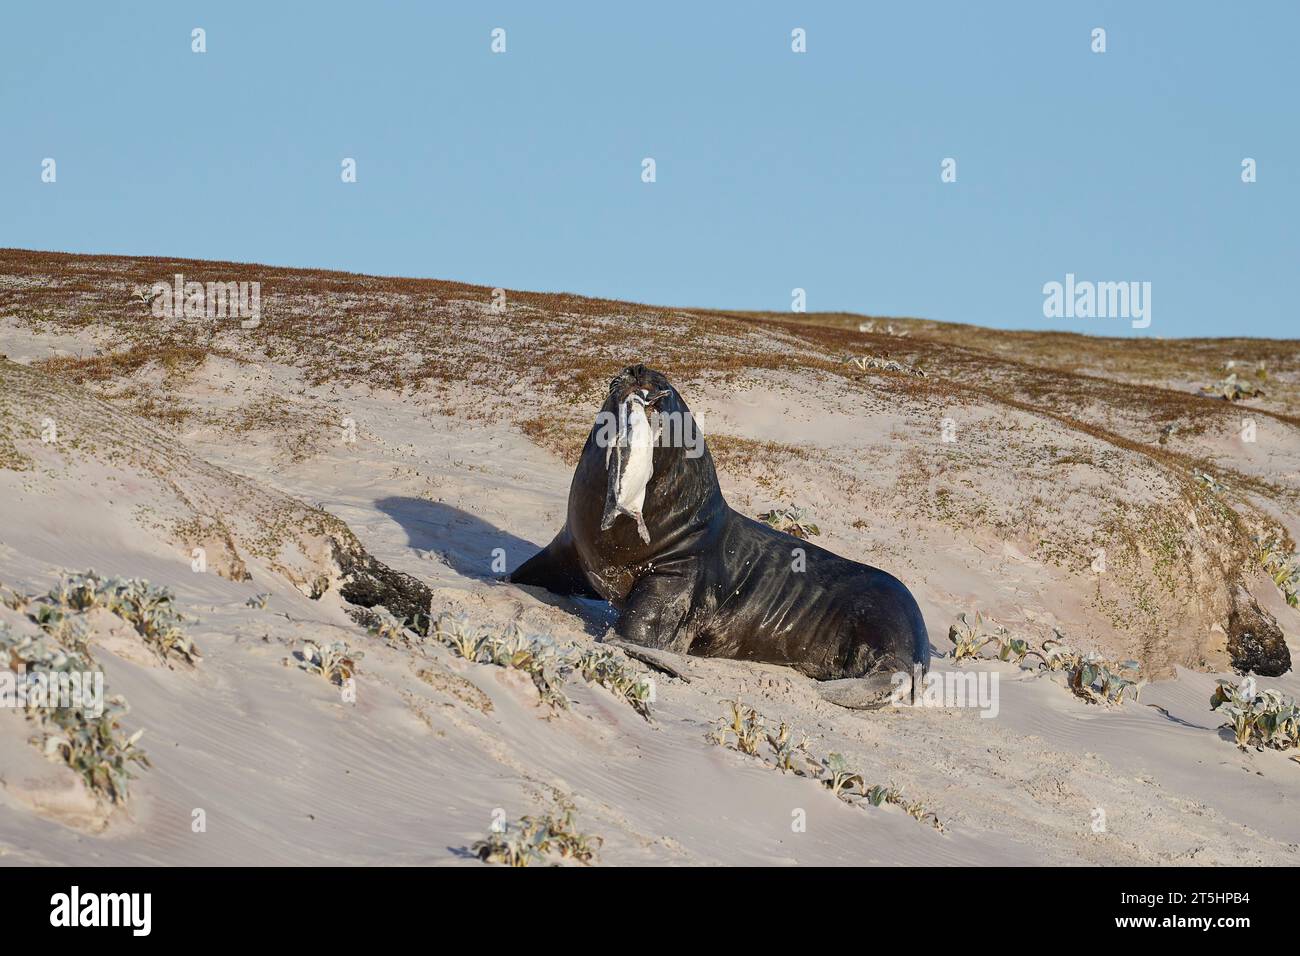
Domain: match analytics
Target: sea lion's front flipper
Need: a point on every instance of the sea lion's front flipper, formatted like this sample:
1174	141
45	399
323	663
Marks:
858	693
654	612
556	569
666	662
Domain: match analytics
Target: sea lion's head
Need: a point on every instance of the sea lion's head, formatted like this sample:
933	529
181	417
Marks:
678	436
644	386
646	432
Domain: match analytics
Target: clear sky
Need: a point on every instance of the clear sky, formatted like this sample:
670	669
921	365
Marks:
774	169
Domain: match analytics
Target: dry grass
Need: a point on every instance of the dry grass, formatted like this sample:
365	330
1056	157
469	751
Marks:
172	359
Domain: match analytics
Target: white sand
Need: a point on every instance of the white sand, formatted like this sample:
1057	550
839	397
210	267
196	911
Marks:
286	772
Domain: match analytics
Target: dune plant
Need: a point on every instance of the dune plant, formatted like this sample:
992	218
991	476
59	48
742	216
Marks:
789	757
1257	718
334	661
69	628
744	724
877	796
513	846
1209	481
886	365
969	639
1090	676
609	670
1282	567
80	592
384	625
92	744
547	662
839	776
12	599
150	610
1233	389
457	634
562	837
742	729
1011	648
538	656
791	521
532	839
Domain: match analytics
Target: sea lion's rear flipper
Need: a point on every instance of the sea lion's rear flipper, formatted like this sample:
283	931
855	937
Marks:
858	693
556	569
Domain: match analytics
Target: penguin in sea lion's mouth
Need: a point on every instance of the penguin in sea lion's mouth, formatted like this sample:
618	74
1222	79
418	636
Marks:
629	459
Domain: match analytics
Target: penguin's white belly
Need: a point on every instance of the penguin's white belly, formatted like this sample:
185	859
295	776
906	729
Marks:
639	464
630	461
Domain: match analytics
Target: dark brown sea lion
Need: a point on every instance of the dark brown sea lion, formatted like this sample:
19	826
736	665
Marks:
692	576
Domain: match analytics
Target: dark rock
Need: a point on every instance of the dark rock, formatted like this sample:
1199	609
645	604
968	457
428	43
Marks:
1255	642
368	583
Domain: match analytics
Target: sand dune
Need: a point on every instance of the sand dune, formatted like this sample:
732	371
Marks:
375	440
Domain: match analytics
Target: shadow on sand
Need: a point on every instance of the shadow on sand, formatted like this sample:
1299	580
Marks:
466	542
468	545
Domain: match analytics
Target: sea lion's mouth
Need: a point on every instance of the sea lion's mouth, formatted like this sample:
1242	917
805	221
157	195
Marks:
642	394
645	398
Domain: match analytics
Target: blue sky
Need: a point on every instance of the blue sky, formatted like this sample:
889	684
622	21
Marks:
775	170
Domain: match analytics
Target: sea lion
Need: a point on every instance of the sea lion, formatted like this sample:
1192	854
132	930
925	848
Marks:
649	531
